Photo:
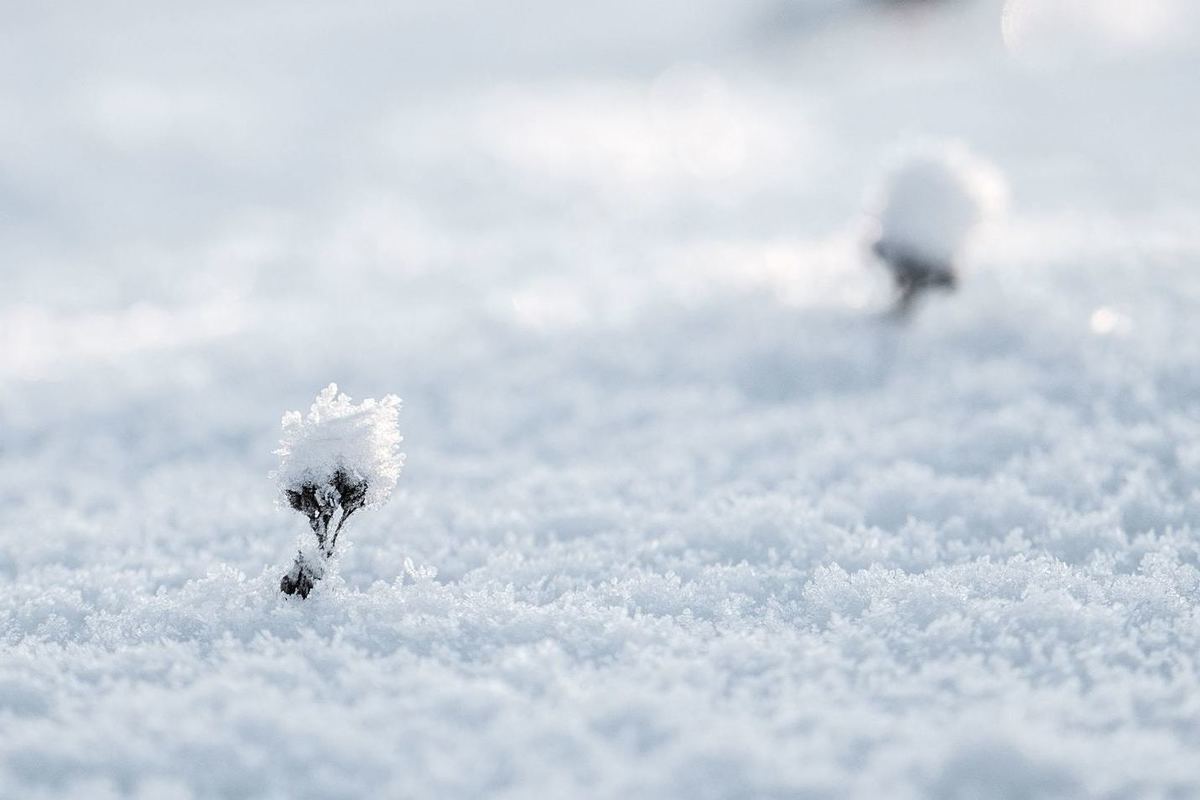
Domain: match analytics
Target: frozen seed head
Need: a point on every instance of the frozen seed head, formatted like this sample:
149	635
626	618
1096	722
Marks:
931	203
340	442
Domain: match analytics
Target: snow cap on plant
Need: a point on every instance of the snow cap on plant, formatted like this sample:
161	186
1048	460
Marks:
362	440
934	199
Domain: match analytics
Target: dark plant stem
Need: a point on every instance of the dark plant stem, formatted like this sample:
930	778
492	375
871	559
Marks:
914	276
319	504
299	579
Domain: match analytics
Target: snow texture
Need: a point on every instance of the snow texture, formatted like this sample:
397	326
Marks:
682	516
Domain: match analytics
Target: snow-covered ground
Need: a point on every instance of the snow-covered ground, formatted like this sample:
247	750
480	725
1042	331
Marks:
683	516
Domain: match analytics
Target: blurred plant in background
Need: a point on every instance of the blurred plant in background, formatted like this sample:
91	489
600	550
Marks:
930	206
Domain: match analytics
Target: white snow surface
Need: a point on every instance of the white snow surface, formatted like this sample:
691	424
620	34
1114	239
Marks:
683	515
337	434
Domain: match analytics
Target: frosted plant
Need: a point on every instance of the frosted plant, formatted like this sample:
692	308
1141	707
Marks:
339	458
929	207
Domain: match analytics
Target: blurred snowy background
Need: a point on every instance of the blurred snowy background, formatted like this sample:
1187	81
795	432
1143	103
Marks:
703	524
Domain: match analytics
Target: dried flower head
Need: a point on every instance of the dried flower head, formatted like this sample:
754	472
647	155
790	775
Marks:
337	459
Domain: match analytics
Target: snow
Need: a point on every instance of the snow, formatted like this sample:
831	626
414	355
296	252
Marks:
682	515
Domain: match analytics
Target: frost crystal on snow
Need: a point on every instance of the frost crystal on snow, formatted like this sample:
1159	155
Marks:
928	209
339	458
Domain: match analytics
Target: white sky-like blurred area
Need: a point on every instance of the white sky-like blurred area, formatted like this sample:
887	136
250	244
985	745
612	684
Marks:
1106	28
156	153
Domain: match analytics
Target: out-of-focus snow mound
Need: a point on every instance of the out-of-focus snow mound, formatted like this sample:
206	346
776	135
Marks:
682	516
